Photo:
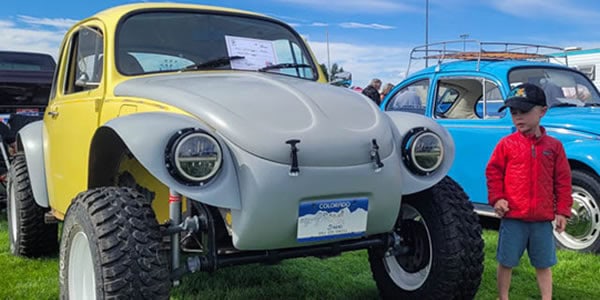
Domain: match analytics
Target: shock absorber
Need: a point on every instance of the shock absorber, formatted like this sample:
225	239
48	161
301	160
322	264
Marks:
175	220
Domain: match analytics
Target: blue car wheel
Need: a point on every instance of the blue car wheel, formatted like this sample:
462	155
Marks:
583	228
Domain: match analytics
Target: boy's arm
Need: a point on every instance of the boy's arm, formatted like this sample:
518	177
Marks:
562	183
494	174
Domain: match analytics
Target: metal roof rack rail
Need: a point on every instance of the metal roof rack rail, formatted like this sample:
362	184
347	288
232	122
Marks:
477	50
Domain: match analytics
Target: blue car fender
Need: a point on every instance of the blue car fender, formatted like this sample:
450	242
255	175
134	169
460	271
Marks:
585	152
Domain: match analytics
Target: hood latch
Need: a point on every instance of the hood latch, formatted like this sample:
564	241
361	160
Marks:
375	156
294	170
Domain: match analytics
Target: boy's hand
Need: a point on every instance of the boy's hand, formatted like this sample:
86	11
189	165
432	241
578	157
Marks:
501	207
561	223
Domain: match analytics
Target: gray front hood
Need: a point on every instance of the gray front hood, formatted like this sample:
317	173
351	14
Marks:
259	112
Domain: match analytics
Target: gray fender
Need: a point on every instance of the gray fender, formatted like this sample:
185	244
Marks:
413	183
146	135
30	141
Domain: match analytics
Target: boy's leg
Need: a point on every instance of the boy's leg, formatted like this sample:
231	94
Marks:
542	255
512	241
544	279
504	275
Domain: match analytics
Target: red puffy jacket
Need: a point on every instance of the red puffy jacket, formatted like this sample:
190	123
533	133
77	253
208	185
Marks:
533	175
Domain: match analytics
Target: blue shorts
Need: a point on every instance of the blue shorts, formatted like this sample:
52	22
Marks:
515	236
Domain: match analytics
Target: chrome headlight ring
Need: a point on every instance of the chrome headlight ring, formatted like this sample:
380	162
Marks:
422	151
193	156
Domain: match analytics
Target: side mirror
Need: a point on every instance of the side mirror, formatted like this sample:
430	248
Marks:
342	79
84	81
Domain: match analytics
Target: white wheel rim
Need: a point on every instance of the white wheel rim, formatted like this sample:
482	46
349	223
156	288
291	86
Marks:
81	275
403	279
583	229
13	214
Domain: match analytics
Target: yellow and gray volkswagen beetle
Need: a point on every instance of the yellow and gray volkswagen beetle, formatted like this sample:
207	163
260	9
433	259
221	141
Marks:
184	138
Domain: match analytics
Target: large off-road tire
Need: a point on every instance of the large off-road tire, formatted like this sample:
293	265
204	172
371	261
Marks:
583	228
443	234
29	235
110	248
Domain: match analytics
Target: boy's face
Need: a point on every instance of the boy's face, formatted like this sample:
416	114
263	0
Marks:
528	122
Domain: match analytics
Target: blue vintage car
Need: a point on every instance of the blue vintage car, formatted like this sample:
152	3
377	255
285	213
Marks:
463	91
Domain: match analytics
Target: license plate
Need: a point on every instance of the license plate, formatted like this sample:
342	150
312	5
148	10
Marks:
332	219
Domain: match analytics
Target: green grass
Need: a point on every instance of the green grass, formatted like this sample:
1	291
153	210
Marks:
25	278
577	276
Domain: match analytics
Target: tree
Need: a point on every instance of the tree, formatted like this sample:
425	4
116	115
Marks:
335	68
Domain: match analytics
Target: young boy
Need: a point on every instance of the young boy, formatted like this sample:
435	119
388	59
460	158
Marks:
529	186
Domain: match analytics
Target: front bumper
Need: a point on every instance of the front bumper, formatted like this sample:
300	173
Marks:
271	198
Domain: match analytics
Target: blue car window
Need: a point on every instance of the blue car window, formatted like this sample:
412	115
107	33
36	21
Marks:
445	98
458	97
563	87
412	98
488	107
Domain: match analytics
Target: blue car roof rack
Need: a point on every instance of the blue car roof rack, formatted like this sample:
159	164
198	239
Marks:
477	50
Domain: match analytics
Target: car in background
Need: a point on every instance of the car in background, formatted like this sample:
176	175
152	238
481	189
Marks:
25	81
463	90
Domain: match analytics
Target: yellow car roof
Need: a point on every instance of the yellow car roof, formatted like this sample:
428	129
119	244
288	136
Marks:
115	13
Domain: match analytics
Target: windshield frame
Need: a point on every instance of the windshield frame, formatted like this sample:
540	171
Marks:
299	40
564	100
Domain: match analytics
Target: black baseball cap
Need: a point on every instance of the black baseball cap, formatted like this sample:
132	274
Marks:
524	97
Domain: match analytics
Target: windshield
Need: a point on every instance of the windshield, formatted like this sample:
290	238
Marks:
563	87
153	42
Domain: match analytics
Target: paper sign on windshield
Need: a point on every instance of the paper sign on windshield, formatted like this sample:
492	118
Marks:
257	53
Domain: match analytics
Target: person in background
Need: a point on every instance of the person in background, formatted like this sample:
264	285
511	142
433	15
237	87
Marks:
386	90
356	88
583	93
372	91
579	92
552	91
529	186
406	100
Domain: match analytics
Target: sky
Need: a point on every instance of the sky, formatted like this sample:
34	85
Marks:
369	38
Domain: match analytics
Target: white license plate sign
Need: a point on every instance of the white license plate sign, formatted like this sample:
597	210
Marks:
332	219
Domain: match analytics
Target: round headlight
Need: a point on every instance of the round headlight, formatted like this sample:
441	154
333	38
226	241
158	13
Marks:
193	156
423	151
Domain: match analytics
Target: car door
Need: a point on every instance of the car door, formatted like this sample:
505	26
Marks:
468	107
72	114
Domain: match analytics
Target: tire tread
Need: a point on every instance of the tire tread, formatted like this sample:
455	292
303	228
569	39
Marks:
35	237
457	264
128	240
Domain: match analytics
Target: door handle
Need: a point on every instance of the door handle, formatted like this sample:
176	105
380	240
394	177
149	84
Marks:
53	113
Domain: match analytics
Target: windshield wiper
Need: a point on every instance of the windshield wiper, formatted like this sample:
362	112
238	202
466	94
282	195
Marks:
217	62
284	66
592	104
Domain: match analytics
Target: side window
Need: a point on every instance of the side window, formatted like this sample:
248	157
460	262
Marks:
85	62
488	106
412	98
457	98
445	98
